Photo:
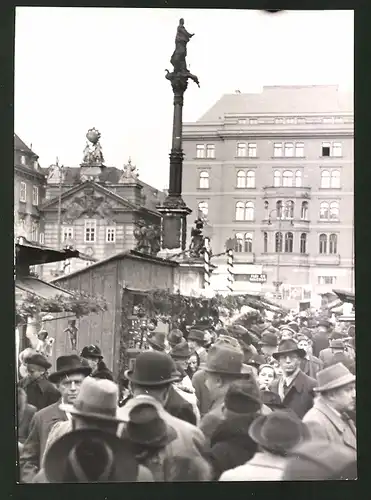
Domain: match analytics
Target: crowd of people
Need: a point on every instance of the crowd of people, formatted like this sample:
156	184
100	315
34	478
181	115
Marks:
232	404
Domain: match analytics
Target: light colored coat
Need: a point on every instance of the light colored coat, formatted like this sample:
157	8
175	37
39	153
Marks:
262	467
324	424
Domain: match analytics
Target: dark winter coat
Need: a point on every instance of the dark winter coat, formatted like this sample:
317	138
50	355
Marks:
34	446
320	341
103	372
231	445
24	422
311	366
300	394
179	407
40	393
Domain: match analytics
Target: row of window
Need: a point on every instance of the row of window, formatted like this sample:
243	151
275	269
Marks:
280	150
23	160
23	193
245	210
292	120
284	242
246	179
90	233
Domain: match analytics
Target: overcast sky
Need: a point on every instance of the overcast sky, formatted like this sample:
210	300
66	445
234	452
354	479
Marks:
77	68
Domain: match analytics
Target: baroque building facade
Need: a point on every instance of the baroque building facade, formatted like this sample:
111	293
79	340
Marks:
98	210
275	171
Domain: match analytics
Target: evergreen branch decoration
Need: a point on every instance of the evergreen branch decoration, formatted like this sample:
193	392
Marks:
80	304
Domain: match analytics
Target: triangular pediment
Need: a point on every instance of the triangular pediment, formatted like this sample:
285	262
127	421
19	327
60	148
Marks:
88	200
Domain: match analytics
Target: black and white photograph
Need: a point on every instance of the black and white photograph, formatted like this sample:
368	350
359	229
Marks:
184	245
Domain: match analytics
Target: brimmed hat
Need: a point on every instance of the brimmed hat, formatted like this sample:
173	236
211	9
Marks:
157	341
175	337
180	351
337	344
146	427
61	457
286	328
279	431
241	333
333	377
286	347
294	326
68	365
269	338
38	360
153	368
91	351
223	358
96	400
271	399
317	460
196	335
243	396
256	360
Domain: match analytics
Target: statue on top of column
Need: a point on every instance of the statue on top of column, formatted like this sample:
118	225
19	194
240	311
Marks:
178	59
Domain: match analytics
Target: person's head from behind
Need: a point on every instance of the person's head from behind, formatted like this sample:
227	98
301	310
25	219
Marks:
242	398
152	375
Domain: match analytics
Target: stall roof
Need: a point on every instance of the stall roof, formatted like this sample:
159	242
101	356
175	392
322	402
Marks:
32	254
122	255
39	287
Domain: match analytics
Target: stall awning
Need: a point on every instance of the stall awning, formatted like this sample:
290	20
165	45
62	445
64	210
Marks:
39	287
346	296
33	255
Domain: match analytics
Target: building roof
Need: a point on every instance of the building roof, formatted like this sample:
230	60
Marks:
32	254
39	287
298	99
19	145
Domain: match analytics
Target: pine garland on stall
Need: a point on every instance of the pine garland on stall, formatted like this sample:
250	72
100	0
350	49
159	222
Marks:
79	304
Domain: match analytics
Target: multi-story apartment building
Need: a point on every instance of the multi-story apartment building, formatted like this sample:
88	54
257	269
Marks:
29	191
275	171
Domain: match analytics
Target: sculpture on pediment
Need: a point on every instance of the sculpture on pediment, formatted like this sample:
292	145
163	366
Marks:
130	173
88	204
105	210
93	154
197	245
148	237
74	210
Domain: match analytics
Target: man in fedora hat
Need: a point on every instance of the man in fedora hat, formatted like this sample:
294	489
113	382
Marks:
68	377
93	420
230	443
151	377
294	387
337	345
310	365
224	365
156	362
275	435
175	337
268	345
157	342
40	392
93	355
329	418
321	337
196	342
180	354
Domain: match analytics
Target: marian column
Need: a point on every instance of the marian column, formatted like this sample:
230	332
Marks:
174	210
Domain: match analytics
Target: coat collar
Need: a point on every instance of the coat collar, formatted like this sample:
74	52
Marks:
348	431
299	382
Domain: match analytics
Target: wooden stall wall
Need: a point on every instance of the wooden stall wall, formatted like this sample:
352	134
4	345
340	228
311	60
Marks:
96	328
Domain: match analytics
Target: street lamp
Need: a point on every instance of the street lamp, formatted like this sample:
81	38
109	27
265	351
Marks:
280	210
